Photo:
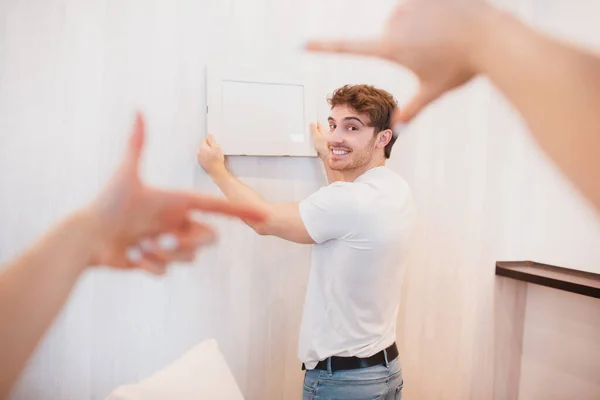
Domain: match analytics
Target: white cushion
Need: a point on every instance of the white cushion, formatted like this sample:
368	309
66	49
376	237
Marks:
201	373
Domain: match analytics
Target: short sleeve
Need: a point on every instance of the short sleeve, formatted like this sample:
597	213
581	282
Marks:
330	213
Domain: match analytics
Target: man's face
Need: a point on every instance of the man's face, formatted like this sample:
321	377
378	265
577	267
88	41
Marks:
350	140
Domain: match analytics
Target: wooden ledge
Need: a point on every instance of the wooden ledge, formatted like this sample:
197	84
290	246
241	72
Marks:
570	280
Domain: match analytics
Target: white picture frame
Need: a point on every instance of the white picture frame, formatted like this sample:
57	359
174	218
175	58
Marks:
253	111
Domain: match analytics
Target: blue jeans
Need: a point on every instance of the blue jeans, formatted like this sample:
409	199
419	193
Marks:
374	383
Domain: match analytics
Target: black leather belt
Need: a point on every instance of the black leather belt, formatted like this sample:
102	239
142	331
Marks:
345	363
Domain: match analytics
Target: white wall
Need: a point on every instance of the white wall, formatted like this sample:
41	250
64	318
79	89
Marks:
71	75
560	344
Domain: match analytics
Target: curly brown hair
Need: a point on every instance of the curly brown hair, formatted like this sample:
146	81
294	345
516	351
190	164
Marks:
378	104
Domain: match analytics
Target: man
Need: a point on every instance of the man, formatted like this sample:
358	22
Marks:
129	225
555	86
359	226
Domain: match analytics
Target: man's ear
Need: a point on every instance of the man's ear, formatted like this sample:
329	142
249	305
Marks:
384	137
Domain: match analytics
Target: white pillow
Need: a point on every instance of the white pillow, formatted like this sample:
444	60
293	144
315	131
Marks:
201	373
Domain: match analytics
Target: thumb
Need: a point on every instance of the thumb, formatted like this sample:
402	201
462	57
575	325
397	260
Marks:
319	130
211	140
414	106
136	142
314	129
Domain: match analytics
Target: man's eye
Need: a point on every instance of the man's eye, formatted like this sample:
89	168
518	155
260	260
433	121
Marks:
352	128
331	127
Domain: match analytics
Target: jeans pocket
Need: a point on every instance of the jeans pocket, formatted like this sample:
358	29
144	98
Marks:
308	394
399	392
309	389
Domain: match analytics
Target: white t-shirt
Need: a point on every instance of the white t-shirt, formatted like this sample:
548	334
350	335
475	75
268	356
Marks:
362	231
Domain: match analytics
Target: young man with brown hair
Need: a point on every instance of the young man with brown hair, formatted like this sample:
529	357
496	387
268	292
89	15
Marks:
359	225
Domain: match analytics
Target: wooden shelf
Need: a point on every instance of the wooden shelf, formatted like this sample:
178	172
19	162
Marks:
584	283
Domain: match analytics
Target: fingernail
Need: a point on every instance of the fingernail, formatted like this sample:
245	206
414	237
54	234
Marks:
399	128
168	242
147	245
161	269
134	255
156	269
207	238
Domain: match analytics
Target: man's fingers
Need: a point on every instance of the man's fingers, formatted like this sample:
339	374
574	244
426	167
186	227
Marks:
372	47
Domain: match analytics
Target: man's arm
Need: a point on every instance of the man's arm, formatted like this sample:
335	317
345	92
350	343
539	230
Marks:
556	87
282	219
